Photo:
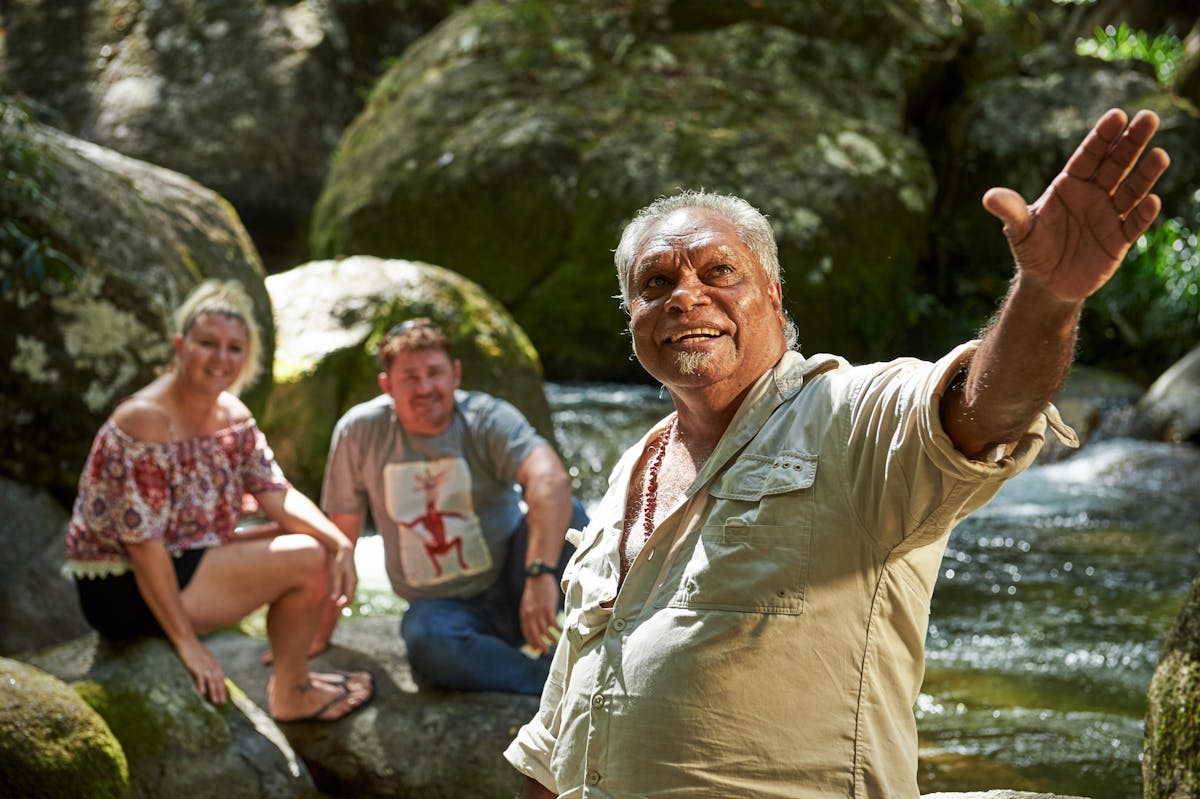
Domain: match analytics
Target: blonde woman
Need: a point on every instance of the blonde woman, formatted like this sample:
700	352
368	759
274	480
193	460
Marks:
152	542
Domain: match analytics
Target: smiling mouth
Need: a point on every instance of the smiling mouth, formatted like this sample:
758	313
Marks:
694	334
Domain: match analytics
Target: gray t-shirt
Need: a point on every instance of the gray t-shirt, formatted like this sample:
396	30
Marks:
445	505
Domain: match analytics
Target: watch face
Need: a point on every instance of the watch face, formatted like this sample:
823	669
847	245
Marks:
536	568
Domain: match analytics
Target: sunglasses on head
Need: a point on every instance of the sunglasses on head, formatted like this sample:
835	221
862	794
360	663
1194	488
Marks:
412	324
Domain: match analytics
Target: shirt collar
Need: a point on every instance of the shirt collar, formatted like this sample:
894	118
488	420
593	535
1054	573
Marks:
775	386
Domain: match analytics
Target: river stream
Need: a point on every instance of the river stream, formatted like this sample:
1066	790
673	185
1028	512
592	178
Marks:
1049	615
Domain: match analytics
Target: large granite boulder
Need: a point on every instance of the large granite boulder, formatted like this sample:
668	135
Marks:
414	742
1171	764
38	606
1170	409
248	97
512	143
176	742
52	743
96	250
330	316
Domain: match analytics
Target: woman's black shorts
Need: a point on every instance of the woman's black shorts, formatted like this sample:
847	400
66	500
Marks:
114	606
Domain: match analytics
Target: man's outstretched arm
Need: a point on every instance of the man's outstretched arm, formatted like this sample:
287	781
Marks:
1066	245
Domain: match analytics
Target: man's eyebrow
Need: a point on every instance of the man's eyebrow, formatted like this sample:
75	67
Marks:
650	261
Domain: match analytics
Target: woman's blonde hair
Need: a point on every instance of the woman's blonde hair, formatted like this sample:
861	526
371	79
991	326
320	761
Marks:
229	299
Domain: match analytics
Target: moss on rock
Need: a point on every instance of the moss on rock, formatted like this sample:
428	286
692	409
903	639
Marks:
1171	764
513	142
134	239
176	742
52	743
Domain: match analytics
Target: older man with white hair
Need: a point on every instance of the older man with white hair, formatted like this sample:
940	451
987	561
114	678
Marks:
746	613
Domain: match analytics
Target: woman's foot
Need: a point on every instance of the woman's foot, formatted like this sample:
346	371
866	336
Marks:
318	700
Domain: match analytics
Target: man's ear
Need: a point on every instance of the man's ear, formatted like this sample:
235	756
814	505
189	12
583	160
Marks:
177	344
385	385
457	373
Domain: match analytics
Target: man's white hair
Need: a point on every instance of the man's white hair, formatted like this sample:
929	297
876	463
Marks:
751	226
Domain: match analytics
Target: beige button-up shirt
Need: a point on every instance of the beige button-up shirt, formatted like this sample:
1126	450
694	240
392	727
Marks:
768	641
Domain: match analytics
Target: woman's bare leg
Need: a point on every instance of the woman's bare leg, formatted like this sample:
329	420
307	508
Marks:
288	573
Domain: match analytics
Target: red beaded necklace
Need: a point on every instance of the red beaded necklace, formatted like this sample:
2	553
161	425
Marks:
650	504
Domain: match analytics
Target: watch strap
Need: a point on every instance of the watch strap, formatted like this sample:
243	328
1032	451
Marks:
537	568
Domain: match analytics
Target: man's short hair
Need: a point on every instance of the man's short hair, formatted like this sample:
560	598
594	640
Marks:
414	335
751	226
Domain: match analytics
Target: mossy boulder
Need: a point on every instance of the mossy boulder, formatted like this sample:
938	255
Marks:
1171	764
248	97
38	606
52	743
330	316
176	742
513	142
96	252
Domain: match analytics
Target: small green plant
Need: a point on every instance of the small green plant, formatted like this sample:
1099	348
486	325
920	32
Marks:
1164	52
1148	315
27	258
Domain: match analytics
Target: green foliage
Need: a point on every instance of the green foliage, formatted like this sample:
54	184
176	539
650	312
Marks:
27	257
1164	52
1148	315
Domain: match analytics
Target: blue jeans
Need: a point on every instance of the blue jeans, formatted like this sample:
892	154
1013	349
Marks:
473	644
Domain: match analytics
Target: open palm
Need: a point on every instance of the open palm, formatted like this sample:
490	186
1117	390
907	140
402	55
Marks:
1073	238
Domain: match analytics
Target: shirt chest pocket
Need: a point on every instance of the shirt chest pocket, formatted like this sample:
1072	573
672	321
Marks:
590	583
752	553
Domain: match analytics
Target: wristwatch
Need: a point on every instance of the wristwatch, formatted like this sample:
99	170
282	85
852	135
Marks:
537	568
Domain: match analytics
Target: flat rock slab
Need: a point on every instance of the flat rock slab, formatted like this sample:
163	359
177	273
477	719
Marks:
414	742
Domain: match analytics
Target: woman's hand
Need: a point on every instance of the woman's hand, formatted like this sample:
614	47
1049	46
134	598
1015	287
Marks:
210	677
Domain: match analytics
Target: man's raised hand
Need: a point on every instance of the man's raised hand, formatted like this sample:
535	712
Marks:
1073	238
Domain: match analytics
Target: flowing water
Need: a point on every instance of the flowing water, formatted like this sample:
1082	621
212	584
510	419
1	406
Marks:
1049	615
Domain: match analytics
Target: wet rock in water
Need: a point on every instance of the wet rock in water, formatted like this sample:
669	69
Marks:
1171	765
1088	397
176	742
51	742
1170	410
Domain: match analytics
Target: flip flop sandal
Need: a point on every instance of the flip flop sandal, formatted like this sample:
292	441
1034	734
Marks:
319	714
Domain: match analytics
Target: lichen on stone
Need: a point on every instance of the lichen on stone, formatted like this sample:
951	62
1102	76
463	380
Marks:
31	359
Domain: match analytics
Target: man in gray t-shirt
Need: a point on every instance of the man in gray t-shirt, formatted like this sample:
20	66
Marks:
438	467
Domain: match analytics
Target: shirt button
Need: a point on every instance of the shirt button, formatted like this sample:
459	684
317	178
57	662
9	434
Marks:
593	778
598	700
618	624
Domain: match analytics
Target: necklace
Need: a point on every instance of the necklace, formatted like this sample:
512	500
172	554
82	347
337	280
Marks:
650	504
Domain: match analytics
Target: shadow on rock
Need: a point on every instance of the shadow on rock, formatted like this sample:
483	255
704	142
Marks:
409	741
